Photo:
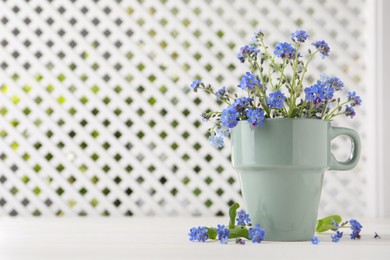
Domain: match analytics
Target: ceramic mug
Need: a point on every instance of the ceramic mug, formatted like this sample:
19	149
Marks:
281	167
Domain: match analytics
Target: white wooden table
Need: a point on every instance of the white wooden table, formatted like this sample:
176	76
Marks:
166	238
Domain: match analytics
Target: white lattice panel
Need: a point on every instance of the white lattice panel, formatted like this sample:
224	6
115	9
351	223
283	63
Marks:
96	114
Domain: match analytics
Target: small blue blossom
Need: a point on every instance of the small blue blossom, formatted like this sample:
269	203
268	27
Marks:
243	218
356	228
229	117
330	82
336	238
299	35
222	131
275	99
322	47
193	234
335	83
257	234
223	233
314	240
328	92
255	116
311	93
195	84
240	104
198	234
320	91
350	111
324	78
284	50
216	141
356	100
315	93
335	225
249	81
256	35
247	52
220	93
224	240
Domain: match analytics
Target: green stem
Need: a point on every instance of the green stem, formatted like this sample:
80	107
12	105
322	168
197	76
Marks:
282	75
253	68
300	85
329	116
310	108
333	116
262	80
211	92
323	112
212	233
302	108
233	214
300	82
292	90
285	110
269	56
270	79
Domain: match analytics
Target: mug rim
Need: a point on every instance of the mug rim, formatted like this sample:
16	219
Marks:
288	119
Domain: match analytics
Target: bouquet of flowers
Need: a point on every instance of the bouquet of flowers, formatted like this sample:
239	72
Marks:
274	87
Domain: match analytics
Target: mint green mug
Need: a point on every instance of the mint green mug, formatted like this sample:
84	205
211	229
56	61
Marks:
281	167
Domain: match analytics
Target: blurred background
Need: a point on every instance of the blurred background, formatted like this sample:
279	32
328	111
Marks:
97	119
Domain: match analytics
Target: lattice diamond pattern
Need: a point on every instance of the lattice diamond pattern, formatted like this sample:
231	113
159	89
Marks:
96	116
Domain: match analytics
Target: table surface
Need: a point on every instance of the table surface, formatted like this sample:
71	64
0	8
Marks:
166	238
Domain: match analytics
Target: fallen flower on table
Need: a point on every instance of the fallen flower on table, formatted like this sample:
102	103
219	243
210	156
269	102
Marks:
334	223
314	240
336	238
240	230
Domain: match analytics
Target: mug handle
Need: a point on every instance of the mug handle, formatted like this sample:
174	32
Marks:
355	154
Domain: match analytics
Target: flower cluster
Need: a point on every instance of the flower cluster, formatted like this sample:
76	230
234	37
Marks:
257	234
243	218
314	240
222	233
322	47
336	237
320	92
198	234
220	93
299	35
249	81
229	117
275	99
195	85
216	141
285	50
255	116
334	223
356	228
247	52
274	86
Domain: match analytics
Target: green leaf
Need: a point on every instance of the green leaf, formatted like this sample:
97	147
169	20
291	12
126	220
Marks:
325	224
212	232
233	214
239	231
